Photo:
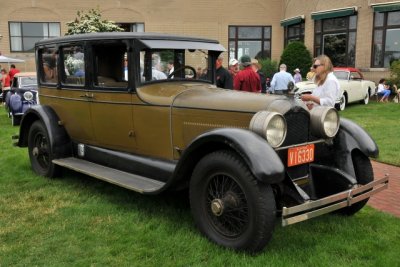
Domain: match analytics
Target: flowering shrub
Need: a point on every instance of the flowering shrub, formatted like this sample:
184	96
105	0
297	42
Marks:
73	64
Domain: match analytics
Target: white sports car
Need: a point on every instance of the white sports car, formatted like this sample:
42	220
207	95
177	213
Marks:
352	85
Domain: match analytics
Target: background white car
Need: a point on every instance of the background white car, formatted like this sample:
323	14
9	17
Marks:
352	85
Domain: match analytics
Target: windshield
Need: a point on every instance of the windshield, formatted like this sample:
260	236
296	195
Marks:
174	64
341	75
28	82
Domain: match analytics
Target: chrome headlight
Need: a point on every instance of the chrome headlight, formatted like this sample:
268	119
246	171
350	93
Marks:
271	126
28	96
324	121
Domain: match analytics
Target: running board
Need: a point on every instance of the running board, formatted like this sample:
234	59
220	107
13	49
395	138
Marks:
124	179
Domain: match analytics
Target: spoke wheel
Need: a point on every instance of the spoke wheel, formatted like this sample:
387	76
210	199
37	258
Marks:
40	151
229	205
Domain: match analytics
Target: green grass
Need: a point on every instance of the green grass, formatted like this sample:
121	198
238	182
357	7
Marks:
381	121
79	221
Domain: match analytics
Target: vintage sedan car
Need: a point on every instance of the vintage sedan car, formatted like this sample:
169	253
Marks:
353	86
22	95
246	158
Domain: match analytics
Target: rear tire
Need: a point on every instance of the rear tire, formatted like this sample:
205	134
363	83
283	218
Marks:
229	205
40	151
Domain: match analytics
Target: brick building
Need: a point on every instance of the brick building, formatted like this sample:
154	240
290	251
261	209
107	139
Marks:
360	33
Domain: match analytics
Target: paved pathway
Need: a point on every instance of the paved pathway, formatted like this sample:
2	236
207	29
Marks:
387	200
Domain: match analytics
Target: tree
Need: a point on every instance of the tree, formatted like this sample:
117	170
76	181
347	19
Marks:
296	55
268	67
91	22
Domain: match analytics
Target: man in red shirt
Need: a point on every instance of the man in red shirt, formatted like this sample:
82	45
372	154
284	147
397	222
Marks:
247	79
12	72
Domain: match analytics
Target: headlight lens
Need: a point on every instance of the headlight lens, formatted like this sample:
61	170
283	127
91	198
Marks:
28	96
324	121
270	125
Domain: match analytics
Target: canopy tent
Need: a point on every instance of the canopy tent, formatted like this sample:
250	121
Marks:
9	60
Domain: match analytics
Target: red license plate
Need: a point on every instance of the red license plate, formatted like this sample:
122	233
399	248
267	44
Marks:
300	155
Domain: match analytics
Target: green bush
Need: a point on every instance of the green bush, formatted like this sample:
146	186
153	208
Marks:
268	67
296	55
395	72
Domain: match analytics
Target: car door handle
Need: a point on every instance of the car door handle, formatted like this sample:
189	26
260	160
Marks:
87	95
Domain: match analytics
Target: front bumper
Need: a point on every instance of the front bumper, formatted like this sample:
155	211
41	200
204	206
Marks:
334	202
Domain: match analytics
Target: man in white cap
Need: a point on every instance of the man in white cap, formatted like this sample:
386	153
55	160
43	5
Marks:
233	67
280	81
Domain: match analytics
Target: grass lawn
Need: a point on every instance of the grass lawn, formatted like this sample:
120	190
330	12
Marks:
79	221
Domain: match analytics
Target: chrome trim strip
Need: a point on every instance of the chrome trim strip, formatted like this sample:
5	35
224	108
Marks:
302	144
347	198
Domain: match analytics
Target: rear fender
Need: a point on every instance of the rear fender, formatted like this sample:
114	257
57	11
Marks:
58	136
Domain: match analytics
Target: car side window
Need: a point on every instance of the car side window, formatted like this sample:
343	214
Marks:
74	65
355	76
111	63
49	66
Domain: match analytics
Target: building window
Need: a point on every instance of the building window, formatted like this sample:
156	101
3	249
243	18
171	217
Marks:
386	40
132	27
24	35
254	41
336	38
294	32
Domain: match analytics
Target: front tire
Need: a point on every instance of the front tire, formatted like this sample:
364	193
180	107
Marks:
364	175
342	104
15	120
40	151
229	205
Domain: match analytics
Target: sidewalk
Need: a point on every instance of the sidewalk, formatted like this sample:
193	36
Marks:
387	200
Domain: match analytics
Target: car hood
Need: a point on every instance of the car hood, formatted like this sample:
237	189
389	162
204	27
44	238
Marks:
205	96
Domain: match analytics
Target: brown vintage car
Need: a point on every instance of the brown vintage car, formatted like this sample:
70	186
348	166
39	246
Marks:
111	109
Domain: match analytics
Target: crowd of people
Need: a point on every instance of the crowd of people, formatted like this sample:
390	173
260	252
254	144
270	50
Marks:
7	77
251	79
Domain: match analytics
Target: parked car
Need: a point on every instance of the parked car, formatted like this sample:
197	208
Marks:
353	86
246	158
22	95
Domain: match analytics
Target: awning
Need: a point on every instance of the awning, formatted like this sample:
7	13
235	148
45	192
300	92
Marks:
334	13
292	21
386	7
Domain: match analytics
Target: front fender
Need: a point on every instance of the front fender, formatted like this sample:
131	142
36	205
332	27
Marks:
259	156
352	137
58	136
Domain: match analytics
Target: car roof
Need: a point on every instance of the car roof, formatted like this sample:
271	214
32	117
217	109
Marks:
151	40
25	74
351	69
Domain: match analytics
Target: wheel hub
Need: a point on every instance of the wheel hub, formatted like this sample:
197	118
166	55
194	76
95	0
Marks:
217	207
35	151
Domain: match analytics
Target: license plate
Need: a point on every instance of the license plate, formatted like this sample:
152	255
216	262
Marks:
300	155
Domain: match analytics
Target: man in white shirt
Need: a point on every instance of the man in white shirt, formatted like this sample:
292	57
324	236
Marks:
280	81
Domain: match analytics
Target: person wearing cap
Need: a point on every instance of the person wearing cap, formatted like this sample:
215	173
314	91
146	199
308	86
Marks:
224	78
280	81
247	79
257	68
233	67
297	76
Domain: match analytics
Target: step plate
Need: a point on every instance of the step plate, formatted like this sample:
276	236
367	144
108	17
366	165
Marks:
124	179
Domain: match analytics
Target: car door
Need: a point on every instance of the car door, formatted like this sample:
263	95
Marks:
111	98
355	85
65	93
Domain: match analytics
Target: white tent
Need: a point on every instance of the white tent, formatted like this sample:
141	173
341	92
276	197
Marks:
9	60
